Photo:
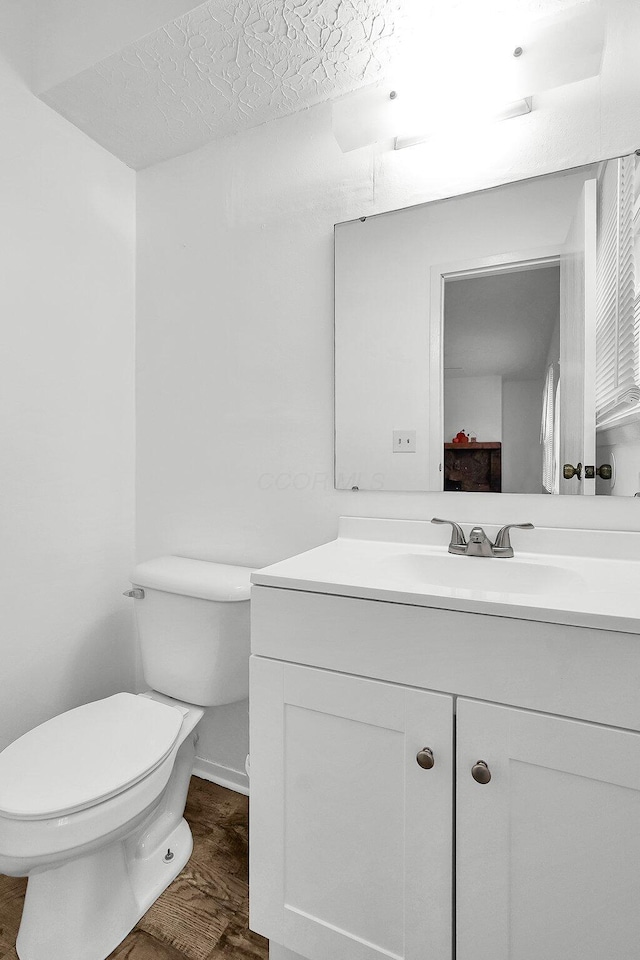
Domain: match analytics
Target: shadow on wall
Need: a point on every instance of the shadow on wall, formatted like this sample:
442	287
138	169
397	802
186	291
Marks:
105	662
223	745
16	37
100	664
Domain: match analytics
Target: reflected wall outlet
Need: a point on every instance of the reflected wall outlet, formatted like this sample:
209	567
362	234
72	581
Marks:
404	441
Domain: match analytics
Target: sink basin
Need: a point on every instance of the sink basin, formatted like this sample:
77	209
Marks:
585	578
485	574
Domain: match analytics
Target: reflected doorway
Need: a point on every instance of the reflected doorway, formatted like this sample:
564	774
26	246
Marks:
501	337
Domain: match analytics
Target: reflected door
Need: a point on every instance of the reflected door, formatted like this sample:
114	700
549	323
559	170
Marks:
577	443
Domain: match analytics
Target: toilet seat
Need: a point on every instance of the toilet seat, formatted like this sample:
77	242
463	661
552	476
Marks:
85	756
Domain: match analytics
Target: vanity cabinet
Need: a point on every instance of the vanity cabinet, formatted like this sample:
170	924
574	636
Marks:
548	852
351	838
360	852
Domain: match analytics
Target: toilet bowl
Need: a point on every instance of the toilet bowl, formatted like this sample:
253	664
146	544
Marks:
92	801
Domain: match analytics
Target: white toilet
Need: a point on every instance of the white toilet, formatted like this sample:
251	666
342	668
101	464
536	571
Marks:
91	802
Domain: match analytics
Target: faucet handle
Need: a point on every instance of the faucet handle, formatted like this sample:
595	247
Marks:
457	533
503	540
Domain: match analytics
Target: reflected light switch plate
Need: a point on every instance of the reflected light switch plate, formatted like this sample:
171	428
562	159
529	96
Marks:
404	441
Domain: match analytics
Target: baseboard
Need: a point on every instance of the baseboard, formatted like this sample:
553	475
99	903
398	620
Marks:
223	776
276	952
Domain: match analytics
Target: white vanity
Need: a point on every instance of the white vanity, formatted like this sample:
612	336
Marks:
447	748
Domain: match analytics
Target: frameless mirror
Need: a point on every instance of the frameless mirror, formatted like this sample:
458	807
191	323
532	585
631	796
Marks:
489	342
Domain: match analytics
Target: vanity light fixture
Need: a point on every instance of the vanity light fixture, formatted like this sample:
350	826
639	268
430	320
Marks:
517	108
480	79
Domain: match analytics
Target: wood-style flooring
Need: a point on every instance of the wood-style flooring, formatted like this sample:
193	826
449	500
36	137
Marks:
203	914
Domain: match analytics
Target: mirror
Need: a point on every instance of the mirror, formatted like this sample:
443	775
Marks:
489	342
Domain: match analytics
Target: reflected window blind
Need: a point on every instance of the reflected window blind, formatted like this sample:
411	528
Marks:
617	304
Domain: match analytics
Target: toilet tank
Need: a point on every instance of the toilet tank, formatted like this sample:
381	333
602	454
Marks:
193	627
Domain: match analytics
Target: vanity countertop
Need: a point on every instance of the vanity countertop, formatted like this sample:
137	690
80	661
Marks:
587	578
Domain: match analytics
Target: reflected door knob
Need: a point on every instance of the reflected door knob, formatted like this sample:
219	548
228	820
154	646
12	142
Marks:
425	758
480	772
569	471
604	471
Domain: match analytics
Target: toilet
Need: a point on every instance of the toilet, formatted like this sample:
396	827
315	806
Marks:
92	801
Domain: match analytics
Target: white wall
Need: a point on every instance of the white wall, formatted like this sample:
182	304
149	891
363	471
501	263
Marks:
521	448
473	404
66	412
235	325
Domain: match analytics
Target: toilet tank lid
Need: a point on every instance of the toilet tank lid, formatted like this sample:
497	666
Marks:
194	578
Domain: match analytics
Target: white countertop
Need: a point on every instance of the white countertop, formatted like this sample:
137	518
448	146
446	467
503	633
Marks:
587	578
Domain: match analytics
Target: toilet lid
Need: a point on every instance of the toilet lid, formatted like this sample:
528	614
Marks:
85	755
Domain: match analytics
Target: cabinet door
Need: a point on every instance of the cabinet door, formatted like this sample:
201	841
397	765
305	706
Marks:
351	839
548	851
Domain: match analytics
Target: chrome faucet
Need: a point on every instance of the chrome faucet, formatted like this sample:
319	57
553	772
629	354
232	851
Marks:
479	544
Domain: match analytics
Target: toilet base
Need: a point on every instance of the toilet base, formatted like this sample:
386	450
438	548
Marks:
82	910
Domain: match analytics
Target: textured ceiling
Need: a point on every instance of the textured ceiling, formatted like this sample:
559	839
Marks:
225	66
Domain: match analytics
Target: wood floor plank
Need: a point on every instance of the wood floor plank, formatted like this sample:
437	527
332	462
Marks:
212	891
186	918
206	798
6	945
240	943
216	871
141	946
12	890
229	843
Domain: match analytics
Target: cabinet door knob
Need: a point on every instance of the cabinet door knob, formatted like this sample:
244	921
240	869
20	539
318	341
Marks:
480	772
425	758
